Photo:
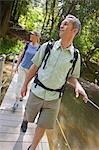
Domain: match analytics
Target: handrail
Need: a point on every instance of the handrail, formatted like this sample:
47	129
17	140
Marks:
2	59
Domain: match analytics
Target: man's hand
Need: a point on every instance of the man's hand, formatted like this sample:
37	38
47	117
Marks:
23	91
79	90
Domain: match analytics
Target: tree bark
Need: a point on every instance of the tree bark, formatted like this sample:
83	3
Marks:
5	8
45	15
53	9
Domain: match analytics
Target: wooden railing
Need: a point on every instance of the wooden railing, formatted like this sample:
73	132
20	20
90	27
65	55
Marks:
2	60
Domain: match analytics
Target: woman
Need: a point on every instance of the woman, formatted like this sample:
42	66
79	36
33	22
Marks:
24	63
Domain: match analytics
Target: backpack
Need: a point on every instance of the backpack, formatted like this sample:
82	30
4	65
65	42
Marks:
45	58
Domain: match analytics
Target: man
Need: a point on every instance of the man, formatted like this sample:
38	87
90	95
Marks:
52	76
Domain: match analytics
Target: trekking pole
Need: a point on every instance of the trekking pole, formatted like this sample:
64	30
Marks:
91	102
63	134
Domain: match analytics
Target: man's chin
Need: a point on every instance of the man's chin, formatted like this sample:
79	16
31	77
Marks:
60	34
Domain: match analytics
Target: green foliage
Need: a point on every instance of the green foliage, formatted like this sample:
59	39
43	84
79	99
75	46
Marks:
33	19
88	12
10	45
30	20
87	42
19	8
96	56
48	18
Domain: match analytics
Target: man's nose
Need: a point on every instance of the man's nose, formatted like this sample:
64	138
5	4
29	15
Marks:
61	26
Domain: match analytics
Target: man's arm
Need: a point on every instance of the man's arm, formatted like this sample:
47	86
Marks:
31	73
78	88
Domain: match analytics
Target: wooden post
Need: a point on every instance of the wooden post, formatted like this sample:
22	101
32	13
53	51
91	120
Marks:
2	59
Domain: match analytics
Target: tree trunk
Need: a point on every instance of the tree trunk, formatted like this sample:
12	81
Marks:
45	15
53	9
5	8
14	10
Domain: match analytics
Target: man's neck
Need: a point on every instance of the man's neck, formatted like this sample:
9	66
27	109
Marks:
65	43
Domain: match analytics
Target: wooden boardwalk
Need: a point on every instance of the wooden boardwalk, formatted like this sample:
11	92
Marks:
11	138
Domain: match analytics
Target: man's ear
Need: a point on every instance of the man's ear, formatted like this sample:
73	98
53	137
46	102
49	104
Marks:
75	31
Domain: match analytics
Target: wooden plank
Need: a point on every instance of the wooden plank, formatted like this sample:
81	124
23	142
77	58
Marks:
44	139
10	123
11	117
16	137
11	137
22	137
9	104
10	113
14	145
12	130
45	146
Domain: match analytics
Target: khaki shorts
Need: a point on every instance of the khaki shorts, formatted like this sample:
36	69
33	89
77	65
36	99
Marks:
48	111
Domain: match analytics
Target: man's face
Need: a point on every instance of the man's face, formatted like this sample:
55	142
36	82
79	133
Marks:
66	28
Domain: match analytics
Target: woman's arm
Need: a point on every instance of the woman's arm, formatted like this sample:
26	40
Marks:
19	60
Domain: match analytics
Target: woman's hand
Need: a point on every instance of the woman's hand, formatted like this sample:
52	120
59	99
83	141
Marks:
23	90
16	69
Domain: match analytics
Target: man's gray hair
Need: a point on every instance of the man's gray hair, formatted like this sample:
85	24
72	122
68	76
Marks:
76	22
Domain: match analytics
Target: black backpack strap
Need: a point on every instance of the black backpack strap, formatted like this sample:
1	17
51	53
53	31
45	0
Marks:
47	52
37	81
74	59
25	48
61	90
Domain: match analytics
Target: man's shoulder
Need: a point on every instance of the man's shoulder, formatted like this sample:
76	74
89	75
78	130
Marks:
56	42
77	50
44	44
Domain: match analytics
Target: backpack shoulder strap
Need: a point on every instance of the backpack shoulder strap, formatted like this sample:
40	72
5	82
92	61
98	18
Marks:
72	68
26	46
74	59
47	52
